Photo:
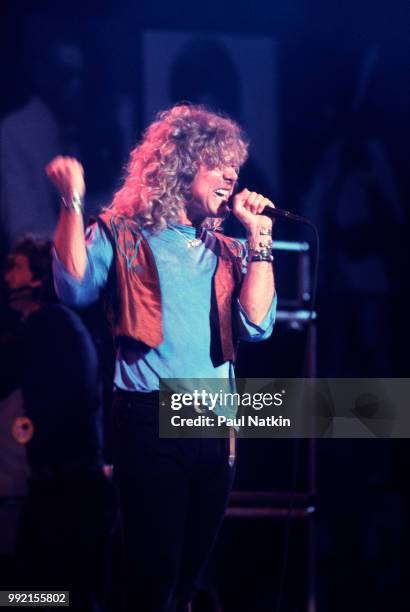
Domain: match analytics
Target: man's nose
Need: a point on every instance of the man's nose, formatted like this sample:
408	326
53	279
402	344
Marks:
230	174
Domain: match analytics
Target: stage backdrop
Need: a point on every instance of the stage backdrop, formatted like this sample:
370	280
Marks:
232	73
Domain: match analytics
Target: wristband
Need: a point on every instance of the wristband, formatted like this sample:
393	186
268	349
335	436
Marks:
260	256
75	203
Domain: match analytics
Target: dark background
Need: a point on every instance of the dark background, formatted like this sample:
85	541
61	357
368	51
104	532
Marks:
342	101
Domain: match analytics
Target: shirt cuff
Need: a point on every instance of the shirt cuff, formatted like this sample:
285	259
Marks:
71	290
253	332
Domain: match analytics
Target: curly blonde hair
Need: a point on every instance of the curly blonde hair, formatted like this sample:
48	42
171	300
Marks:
162	167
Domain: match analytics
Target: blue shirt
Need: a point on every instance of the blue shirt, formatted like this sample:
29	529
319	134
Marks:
185	276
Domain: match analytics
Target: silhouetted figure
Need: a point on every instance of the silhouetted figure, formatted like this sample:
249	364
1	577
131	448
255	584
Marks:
33	134
65	525
354	202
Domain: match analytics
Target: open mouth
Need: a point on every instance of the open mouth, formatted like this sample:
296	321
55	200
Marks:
222	193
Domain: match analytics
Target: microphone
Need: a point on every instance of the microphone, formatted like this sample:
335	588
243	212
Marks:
271	212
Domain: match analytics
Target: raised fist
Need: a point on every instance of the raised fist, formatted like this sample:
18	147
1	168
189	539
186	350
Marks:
67	174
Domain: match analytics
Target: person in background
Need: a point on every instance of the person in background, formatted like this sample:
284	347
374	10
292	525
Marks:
32	134
65	525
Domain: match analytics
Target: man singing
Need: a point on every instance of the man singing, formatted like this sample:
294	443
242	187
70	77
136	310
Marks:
180	297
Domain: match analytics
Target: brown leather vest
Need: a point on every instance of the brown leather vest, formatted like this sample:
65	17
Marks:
136	303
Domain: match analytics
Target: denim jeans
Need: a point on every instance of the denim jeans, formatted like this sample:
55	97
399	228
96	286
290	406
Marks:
173	495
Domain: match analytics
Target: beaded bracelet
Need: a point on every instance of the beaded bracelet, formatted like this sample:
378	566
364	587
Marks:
262	250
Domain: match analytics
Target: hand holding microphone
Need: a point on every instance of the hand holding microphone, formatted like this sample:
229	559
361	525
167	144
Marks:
256	204
248	207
